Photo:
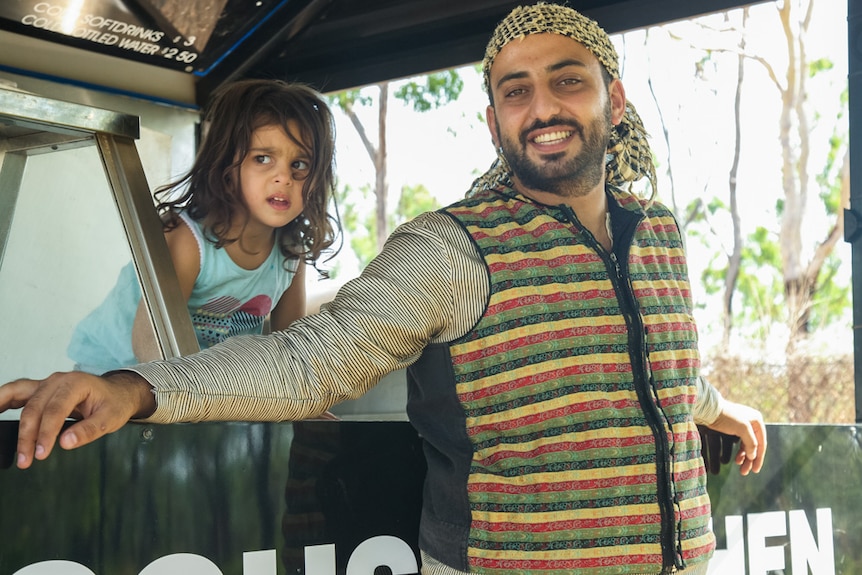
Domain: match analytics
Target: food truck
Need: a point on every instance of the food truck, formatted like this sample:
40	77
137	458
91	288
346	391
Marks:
100	97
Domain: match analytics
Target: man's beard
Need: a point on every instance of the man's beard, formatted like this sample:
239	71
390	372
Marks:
573	177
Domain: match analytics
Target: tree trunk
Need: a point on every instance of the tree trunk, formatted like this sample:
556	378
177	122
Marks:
377	154
794	153
381	182
734	259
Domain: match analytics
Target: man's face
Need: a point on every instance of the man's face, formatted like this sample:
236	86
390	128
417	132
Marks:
553	113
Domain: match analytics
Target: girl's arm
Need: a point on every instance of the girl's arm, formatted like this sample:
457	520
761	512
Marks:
186	257
291	305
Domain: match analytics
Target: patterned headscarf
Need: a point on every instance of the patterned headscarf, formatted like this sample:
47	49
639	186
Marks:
629	157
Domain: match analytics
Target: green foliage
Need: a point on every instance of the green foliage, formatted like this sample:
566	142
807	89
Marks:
437	90
716	205
832	299
821	65
830	191
760	284
761	249
713	275
414	200
829	178
349	99
423	93
759	288
359	216
359	221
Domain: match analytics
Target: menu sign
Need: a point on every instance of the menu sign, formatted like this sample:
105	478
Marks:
186	35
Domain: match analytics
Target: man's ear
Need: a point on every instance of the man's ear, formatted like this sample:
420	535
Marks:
491	120
617	95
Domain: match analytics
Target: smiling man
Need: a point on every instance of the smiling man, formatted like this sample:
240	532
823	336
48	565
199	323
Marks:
552	114
546	324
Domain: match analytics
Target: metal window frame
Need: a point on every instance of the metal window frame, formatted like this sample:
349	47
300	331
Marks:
32	124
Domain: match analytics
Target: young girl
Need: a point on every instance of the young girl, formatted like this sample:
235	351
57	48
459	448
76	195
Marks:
252	213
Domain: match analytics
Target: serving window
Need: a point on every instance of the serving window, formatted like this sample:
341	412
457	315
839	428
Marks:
76	214
75	209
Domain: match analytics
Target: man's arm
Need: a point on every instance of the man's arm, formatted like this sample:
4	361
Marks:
427	285
377	323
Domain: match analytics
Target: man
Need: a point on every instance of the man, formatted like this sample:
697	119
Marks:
546	323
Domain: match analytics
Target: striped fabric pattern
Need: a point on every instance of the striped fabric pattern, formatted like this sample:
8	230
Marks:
563	478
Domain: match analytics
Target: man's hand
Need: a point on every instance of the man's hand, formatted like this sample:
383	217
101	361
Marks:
746	423
102	404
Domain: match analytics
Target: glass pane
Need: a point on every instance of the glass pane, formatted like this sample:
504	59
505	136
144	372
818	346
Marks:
66	249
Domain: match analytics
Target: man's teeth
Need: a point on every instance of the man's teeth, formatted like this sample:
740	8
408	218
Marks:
552	137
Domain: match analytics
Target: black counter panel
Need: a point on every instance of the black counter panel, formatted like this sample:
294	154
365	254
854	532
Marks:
325	497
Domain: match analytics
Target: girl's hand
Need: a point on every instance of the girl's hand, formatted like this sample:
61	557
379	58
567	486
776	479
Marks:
328	415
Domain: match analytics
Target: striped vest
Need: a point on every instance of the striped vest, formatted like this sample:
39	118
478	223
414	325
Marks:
559	431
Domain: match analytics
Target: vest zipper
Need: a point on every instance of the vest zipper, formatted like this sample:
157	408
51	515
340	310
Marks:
652	413
671	554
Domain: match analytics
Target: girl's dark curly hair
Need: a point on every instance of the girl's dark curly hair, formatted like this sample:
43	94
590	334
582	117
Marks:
211	191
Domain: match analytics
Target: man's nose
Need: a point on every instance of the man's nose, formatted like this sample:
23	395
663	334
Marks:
545	104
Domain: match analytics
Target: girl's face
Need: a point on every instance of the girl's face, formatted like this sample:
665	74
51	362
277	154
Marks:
272	176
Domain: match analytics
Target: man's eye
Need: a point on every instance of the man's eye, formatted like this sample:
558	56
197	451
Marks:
570	81
515	93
